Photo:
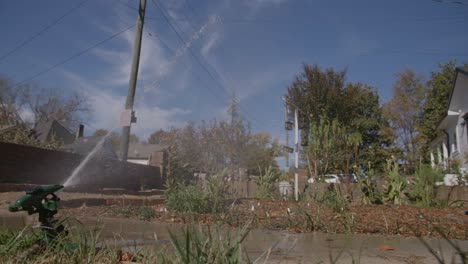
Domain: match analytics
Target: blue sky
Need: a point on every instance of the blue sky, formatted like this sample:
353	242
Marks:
255	49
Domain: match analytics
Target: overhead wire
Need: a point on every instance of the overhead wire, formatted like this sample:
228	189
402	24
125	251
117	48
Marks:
451	2
74	56
42	31
168	19
161	8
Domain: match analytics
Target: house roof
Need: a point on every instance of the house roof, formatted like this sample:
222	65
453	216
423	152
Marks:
459	70
143	150
84	146
44	131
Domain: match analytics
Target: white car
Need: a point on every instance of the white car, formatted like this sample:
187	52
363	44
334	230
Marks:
331	178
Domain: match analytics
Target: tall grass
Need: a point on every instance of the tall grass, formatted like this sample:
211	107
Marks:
194	244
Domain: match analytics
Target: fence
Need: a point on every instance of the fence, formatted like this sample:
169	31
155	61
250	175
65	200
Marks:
31	165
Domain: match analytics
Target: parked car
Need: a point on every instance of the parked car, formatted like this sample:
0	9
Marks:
348	178
332	178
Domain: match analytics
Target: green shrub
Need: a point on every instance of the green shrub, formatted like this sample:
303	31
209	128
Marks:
333	199
192	198
146	213
266	183
422	190
395	185
196	245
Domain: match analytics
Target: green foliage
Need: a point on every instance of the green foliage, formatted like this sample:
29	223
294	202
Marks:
146	213
191	198
332	147
396	184
333	199
370	193
404	112
267	183
186	199
436	104
323	94
196	245
422	190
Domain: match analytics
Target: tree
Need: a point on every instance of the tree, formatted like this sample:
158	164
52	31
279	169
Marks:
324	94
212	147
436	105
404	112
9	103
42	104
162	137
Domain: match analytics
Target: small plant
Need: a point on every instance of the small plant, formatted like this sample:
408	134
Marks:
186	199
146	213
370	194
266	183
197	245
333	199
395	184
191	198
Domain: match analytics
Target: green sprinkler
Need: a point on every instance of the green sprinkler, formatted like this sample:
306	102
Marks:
42	200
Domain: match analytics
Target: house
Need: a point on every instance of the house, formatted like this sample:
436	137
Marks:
452	145
84	145
47	131
148	154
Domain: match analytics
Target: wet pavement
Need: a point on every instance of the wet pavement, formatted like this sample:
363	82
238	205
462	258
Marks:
278	246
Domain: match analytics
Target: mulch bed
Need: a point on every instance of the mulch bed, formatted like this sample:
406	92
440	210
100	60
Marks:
309	217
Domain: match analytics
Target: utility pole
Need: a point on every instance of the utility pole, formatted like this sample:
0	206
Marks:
296	150
128	115
286	119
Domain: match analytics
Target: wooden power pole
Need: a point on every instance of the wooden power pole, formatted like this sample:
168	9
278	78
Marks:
128	115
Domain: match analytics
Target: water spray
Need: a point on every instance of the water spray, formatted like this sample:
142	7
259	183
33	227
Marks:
88	157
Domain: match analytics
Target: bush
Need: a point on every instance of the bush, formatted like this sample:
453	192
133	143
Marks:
191	198
266	183
422	190
333	199
395	185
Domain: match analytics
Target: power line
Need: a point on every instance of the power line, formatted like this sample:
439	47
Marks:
451	2
428	53
74	56
183	41
43	30
217	81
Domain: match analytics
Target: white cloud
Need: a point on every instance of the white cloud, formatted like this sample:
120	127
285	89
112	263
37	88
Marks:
106	108
153	62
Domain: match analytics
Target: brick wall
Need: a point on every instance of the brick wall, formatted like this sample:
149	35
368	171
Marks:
31	165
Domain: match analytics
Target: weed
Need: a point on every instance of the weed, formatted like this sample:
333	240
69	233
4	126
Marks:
146	213
395	185
266	183
196	245
192	198
333	199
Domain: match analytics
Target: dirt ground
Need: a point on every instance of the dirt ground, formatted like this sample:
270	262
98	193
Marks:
308	217
297	217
